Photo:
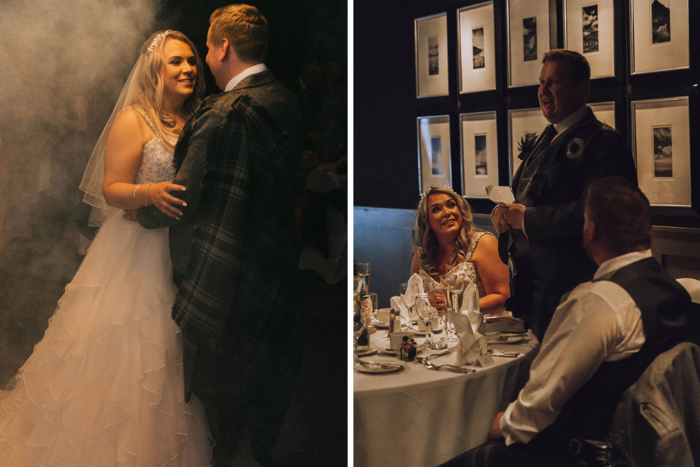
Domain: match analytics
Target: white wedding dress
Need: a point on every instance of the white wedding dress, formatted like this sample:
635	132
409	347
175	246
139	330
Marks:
104	387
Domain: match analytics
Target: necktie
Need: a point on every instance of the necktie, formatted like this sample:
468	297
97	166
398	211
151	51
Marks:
547	136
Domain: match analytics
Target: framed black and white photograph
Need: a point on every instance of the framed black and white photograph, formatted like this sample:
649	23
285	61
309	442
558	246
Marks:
477	52
524	126
479	138
661	145
605	112
590	30
528	40
434	151
431	56
659	35
663	151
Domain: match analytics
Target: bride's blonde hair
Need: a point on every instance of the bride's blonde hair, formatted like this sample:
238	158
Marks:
427	243
150	86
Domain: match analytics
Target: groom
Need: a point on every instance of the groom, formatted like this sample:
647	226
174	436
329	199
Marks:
234	258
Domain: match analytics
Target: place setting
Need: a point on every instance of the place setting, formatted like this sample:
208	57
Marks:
422	330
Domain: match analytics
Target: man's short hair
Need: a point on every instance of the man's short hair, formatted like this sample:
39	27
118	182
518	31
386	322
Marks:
244	27
621	213
580	70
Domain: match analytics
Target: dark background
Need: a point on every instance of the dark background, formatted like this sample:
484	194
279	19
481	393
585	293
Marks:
386	107
43	246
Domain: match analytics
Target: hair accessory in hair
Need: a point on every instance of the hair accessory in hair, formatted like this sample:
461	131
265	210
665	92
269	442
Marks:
157	40
425	193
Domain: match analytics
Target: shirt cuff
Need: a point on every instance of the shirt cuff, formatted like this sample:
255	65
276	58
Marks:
524	232
506	428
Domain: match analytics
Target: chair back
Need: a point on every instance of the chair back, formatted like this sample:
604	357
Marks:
657	422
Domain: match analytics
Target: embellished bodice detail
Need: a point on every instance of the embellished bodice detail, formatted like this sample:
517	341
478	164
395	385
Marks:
467	268
156	161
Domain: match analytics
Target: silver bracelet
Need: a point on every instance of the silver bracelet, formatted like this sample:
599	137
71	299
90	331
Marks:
146	194
137	187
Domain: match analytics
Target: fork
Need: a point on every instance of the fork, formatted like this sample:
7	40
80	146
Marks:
439	354
457	369
503	353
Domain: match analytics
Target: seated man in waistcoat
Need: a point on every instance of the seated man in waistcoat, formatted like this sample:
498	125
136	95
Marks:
602	337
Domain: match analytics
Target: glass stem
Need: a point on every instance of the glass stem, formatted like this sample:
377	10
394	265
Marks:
428	333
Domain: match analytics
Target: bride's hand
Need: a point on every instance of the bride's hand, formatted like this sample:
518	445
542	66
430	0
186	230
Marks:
158	195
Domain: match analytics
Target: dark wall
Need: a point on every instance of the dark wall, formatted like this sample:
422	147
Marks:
300	31
385	158
386	107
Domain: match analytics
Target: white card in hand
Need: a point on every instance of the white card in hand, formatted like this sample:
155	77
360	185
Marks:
501	195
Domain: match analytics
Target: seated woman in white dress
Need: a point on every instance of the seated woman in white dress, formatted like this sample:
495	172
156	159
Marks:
104	386
446	241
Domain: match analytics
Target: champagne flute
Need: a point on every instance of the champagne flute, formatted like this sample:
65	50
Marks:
363	271
455	284
358	322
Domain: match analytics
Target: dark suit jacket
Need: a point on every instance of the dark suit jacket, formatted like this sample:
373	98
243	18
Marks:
586	151
239	305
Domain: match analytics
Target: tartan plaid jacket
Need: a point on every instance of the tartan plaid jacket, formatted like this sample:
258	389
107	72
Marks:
239	303
586	151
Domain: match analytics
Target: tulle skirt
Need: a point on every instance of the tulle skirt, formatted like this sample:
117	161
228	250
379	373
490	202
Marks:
104	387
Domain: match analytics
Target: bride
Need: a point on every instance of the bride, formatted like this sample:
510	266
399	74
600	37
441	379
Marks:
105	386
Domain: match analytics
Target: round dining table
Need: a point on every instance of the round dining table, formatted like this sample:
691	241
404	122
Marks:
421	417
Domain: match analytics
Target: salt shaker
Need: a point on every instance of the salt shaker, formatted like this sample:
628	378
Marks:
397	320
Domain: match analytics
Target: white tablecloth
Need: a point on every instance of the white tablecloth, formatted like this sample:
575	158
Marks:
418	417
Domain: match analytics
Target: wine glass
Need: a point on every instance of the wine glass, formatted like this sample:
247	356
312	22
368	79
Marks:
408	296
437	295
426	312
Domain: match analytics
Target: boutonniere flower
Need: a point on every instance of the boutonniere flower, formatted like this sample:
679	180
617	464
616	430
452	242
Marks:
575	147
526	145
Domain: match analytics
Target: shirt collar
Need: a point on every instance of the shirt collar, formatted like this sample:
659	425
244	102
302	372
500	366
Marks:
620	261
260	67
570	121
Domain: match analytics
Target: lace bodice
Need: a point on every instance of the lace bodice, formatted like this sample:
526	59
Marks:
156	161
467	268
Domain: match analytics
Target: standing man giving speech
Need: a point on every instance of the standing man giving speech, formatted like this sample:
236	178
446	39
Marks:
540	234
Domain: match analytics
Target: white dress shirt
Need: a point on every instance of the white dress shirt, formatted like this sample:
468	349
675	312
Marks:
569	121
596	322
260	67
561	127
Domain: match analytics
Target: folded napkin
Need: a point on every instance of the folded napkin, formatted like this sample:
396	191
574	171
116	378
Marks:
416	279
397	304
470	302
470	343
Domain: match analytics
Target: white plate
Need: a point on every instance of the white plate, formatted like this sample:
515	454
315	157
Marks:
379	369
504	339
379	324
364	353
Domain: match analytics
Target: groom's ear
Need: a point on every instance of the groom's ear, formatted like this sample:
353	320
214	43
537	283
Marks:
226	49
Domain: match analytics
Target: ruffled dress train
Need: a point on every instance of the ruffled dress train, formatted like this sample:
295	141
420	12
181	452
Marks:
104	387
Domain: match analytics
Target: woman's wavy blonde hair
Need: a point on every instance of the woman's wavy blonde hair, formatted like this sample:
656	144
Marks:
150	86
427	243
